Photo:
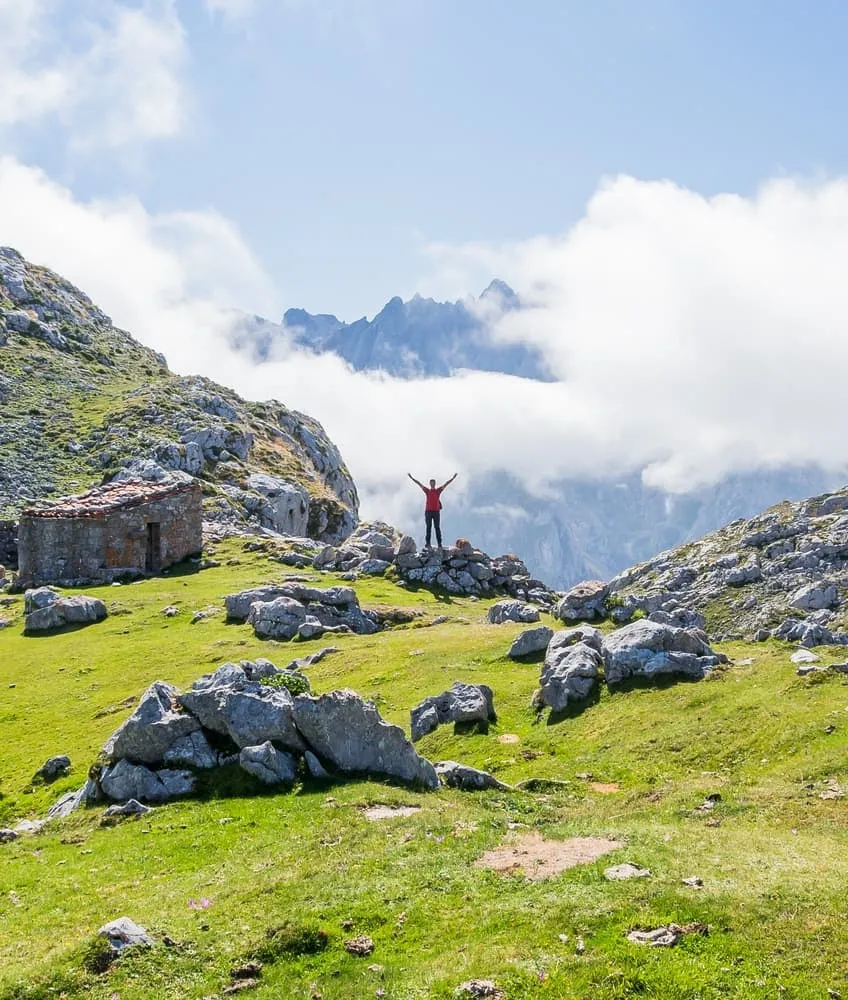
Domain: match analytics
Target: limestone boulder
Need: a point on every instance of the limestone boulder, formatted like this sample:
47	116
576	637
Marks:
343	729
585	602
193	751
512	611
573	665
649	649
285	507
157	723
465	778
815	597
270	765
461	703
530	641
123	781
124	933
63	611
249	714
277	619
53	768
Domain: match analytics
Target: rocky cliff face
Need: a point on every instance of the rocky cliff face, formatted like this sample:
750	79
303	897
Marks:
82	402
783	573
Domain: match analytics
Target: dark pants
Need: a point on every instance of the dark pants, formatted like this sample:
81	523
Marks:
432	518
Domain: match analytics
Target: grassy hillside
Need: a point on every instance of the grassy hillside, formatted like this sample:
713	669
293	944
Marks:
772	854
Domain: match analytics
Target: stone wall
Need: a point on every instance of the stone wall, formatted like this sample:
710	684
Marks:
100	548
9	544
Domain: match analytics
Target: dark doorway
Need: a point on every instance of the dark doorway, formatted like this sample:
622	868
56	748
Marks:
153	556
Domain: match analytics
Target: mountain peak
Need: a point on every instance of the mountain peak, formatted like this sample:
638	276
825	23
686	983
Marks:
501	291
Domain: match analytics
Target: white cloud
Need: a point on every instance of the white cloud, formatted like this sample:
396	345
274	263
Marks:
693	337
110	73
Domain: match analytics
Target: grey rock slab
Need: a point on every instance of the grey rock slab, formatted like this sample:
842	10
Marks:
249	715
804	656
54	767
461	703
39	598
7	835
585	602
314	767
531	640
125	781
270	765
125	933
572	667
72	801
512	611
815	596
154	726
465	778
191	751
277	619
77	610
342	728
132	807
648	649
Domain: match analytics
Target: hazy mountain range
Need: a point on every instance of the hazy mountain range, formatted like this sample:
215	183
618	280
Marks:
585	528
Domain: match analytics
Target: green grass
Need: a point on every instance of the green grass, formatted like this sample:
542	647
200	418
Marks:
774	869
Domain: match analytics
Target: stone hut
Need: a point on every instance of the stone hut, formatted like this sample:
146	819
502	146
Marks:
121	529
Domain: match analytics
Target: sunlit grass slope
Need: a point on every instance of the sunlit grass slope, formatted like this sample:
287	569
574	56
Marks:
773	855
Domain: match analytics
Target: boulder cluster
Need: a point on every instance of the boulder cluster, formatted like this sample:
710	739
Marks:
457	569
294	609
578	659
245	714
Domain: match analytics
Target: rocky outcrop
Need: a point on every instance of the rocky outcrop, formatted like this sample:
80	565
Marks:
244	713
752	576
461	703
45	610
467	779
376	549
265	467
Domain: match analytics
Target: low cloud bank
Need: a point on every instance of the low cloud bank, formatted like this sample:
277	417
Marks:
691	337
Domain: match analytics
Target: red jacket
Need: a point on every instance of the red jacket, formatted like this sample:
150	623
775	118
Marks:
433	502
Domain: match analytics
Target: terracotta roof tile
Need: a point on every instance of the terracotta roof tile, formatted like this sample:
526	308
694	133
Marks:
113	496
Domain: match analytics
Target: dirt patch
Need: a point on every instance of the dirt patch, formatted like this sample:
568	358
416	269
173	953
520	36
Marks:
604	787
509	738
375	813
538	858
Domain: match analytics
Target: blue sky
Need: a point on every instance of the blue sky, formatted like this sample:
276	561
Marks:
344	137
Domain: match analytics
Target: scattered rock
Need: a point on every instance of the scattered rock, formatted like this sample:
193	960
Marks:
465	778
360	946
132	807
620	873
479	989
7	835
804	656
171	611
585	602
650	649
666	936
53	768
462	703
124	933
512	611
530	641
694	882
